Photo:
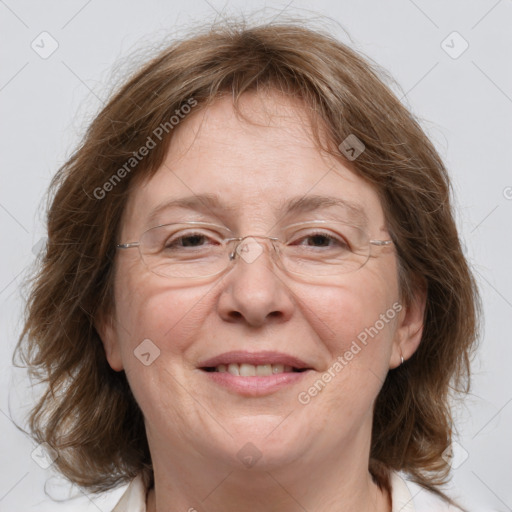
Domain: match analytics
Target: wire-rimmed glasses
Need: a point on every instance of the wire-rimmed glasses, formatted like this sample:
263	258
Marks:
195	250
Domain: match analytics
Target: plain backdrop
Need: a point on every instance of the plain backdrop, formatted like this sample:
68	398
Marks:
452	62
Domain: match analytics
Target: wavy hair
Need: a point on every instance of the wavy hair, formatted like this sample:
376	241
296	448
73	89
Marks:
87	412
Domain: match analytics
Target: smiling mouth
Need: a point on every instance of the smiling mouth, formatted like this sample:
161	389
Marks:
250	370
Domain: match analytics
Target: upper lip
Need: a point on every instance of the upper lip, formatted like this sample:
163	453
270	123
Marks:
254	358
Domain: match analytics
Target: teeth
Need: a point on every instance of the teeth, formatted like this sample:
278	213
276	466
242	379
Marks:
250	370
247	370
264	370
234	369
277	368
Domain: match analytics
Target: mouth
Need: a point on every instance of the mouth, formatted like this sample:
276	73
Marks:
254	364
251	370
254	373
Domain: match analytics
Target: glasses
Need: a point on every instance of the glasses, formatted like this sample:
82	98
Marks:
194	250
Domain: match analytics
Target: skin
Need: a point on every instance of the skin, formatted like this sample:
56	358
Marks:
314	456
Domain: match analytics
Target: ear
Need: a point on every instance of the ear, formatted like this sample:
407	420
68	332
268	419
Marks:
104	325
409	328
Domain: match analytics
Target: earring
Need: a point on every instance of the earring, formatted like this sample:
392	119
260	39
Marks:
401	357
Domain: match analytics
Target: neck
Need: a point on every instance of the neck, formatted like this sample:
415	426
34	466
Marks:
268	494
329	485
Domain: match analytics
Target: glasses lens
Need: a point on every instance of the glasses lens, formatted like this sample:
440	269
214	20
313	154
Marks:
190	250
325	249
184	250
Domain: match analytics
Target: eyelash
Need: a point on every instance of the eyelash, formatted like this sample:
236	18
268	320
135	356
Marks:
327	236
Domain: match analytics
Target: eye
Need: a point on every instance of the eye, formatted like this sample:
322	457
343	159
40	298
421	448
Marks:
321	239
195	239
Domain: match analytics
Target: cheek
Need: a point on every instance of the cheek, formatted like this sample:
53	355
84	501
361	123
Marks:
149	309
171	319
356	323
357	314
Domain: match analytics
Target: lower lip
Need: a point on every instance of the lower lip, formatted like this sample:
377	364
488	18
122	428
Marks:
256	386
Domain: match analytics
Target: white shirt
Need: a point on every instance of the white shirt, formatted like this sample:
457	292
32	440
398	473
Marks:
405	496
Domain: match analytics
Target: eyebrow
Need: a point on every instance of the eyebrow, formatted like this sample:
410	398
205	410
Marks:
211	204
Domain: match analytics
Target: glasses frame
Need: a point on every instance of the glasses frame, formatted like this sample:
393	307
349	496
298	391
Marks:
231	255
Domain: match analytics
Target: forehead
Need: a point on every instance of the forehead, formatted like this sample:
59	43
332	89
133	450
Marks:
249	173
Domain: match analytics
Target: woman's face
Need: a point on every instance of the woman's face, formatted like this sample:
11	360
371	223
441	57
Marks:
348	330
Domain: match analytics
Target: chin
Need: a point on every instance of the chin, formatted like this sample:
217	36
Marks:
264	441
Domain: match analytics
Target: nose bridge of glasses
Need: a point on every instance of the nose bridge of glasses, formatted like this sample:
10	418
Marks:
248	248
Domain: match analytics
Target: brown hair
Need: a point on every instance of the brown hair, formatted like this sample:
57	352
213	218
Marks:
88	413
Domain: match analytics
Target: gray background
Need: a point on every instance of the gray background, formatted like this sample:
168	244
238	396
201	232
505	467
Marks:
463	99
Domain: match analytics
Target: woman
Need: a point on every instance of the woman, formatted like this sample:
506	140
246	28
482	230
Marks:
253	294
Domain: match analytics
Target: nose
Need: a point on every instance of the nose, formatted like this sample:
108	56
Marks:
255	290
